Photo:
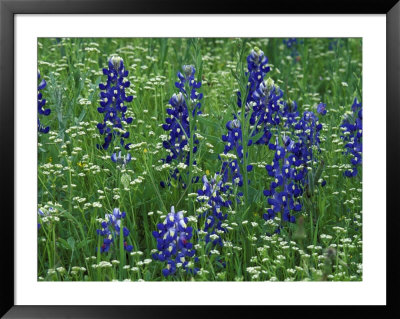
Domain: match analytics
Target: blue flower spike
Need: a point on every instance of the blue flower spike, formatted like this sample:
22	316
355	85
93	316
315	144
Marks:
177	124
41	103
111	228
121	160
173	244
352	135
113	104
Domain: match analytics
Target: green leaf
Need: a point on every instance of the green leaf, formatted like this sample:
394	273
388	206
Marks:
125	180
311	182
71	242
257	136
319	172
63	243
83	243
208	123
82	115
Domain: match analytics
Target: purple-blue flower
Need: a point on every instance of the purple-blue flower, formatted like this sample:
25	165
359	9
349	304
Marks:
292	46
266	107
41	104
290	42
188	85
122	160
178	122
111	228
352	135
257	68
173	243
321	108
45	214
233	138
212	194
113	104
286	186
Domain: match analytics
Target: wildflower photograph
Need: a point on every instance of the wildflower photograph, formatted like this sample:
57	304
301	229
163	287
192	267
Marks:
199	159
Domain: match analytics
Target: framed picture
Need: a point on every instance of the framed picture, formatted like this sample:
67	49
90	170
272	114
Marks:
181	160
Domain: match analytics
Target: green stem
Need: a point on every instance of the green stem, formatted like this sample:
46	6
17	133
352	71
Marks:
54	245
192	121
312	222
154	185
121	250
244	145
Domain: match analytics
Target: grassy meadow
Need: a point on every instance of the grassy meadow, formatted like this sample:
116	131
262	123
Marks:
265	185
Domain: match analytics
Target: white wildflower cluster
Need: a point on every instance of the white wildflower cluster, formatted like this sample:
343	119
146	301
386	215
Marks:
182	166
50	169
325	236
228	156
137	180
339	230
137	146
49	213
163	167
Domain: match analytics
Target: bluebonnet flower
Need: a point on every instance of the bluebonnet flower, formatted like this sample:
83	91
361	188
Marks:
266	109
178	122
233	138
292	46
113	103
307	147
334	44
108	237
186	83
307	130
289	168
352	134
45	214
262	97
40	212
321	108
111	228
121	160
288	113
290	42
41	104
212	193
230	169
178	125
230	172
173	243
257	68
286	187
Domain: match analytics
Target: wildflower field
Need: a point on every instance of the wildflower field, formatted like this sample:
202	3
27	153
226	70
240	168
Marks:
199	159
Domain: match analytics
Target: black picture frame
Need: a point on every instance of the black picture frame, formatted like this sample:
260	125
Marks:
9	8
